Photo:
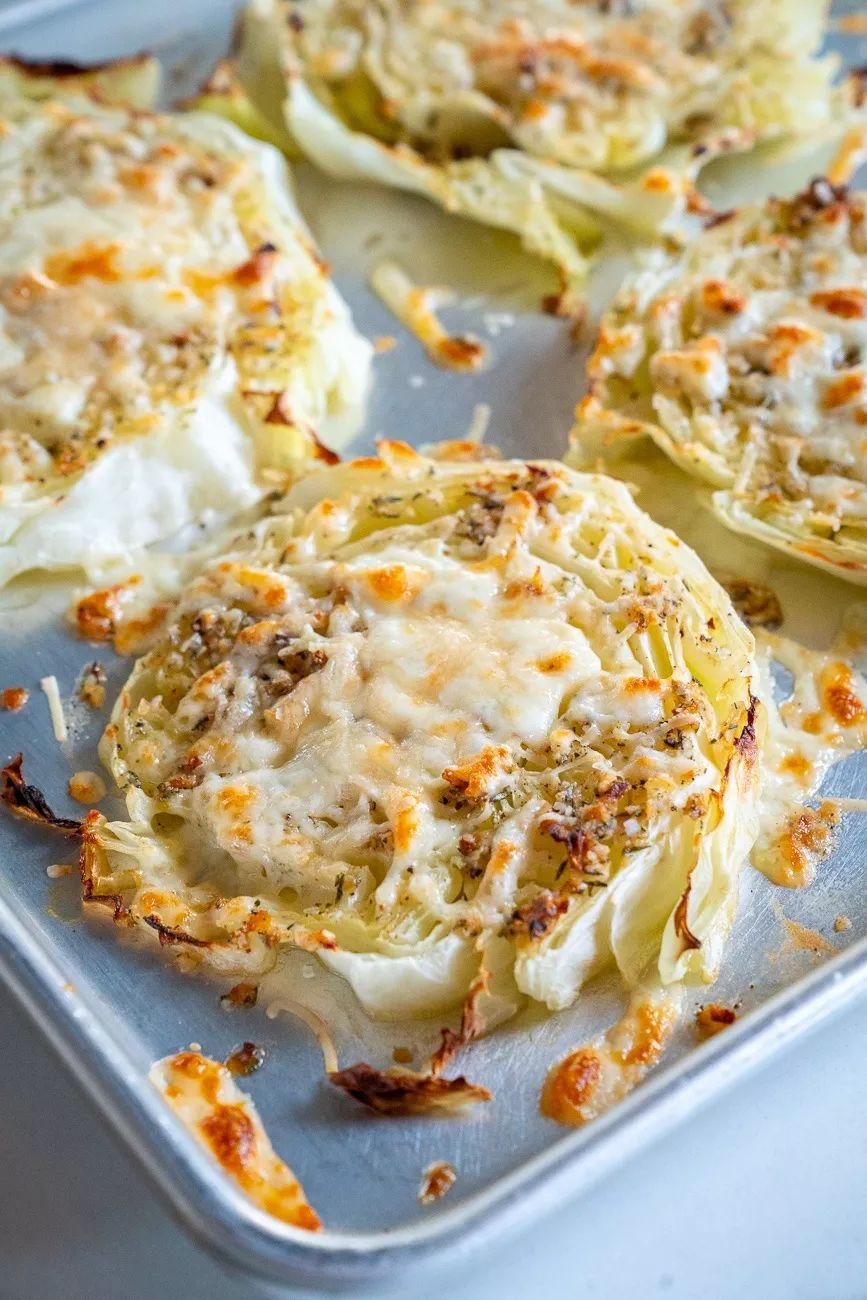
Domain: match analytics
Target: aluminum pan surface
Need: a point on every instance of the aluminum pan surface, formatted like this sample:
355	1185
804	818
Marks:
126	1006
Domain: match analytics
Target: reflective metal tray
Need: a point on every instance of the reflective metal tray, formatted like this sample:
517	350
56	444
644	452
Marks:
112	1006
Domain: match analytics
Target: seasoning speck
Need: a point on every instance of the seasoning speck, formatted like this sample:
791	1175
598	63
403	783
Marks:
246	1059
13	698
86	787
436	1181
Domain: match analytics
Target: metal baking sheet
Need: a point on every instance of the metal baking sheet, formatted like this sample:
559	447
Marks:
111	1006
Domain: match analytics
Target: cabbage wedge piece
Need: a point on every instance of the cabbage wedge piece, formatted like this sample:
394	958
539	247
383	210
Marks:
550	125
169	336
745	359
458	728
134	81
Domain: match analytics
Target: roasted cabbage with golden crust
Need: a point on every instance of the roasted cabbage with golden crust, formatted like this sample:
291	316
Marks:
534	119
746	360
455	727
168	332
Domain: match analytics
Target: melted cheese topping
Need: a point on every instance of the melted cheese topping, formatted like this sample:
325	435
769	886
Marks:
166	329
224	1120
746	360
431	706
821	721
589	84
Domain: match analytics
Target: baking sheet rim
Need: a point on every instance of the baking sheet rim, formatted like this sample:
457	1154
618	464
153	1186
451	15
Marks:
231	1226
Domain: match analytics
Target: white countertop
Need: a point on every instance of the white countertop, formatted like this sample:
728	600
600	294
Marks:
762	1195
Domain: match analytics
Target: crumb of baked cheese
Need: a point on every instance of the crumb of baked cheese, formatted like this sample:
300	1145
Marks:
13	698
87	787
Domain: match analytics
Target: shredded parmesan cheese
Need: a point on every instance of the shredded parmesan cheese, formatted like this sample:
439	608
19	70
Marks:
55	707
416	308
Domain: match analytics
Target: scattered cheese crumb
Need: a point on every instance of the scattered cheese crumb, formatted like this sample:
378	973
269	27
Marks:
58	721
417	381
91	688
13	698
436	1181
195	1047
384	343
87	787
416	306
57	870
842	923
478	427
402	1056
713	1018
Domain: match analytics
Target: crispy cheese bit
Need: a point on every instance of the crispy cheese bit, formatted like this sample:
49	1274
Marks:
842	923
91	687
28	801
55	708
436	1181
416	307
403	1092
203	1094
246	1059
13	698
589	1081
806	839
87	787
712	1018
240	995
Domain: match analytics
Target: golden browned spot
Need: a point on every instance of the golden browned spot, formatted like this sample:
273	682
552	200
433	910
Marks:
843	390
839	696
230	1134
474	775
13	698
722	298
797	765
460	353
258	267
652	1023
405	827
849	303
89	262
712	1018
394	582
556	663
640	685
805	840
518	588
571	1085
